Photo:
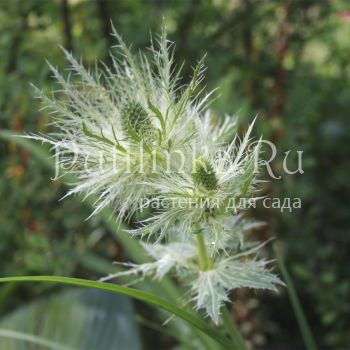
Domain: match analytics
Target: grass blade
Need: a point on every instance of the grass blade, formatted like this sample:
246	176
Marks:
298	311
29	338
233	330
134	293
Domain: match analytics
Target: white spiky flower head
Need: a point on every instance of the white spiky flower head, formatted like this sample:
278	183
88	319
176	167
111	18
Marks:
215	184
133	132
200	210
115	127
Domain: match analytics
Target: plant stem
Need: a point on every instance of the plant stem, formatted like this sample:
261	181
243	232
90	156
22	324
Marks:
298	311
204	260
232	330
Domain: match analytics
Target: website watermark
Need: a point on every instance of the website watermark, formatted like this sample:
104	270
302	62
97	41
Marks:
152	160
232	204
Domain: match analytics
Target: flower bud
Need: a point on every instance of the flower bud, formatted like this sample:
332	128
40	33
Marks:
136	119
204	175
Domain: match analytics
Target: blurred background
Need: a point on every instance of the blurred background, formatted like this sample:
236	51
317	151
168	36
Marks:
286	60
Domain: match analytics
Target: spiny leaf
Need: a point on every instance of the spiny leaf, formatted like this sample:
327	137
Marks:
101	138
157	114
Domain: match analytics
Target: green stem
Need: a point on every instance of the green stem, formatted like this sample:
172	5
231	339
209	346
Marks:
232	330
298	311
204	259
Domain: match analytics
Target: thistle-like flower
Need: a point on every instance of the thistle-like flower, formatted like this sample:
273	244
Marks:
200	210
134	136
116	127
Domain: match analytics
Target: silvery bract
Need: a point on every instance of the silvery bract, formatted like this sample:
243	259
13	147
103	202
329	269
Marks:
135	137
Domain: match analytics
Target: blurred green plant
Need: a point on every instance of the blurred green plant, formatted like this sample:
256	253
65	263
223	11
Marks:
192	319
72	319
286	60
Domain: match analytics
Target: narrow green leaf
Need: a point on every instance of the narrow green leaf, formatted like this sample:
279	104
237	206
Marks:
245	186
233	330
134	293
101	138
298	310
75	318
158	115
189	91
118	146
160	136
29	338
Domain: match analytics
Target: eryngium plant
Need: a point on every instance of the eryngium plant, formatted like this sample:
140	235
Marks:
135	136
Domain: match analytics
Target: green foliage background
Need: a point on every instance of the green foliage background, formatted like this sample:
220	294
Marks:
286	60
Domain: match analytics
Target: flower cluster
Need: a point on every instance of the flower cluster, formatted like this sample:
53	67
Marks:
132	132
